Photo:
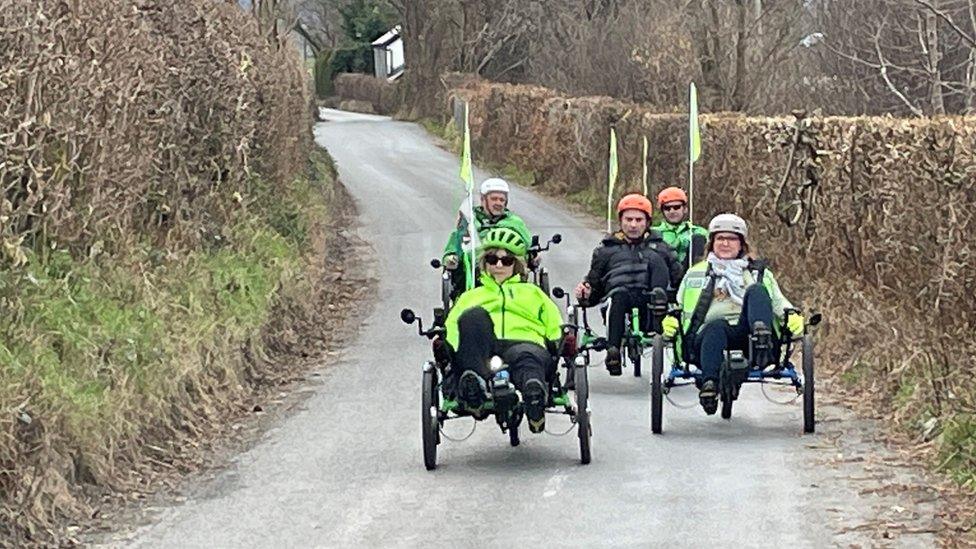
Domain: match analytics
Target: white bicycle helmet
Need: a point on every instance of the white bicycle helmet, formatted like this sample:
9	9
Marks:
728	223
494	185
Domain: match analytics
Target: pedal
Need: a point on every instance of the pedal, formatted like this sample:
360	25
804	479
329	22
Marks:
504	398
599	344
761	345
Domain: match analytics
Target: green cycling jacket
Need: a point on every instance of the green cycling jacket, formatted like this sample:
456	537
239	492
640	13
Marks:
679	236
484	221
520	311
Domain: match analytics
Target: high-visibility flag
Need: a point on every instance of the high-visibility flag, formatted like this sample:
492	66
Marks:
694	153
694	132
467	174
612	177
645	165
467	207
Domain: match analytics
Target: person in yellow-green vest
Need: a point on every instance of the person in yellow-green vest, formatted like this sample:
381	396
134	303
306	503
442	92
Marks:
676	230
507	317
725	300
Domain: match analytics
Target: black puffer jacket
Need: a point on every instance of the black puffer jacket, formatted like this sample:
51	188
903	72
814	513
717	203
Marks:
645	264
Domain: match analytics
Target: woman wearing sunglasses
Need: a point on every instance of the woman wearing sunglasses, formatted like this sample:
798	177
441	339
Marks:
507	317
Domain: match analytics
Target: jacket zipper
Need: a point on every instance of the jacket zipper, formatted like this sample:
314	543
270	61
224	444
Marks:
502	288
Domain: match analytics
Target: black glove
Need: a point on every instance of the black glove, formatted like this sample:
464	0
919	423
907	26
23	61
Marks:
442	351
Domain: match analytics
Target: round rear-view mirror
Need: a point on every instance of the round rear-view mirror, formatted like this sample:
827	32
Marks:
407	316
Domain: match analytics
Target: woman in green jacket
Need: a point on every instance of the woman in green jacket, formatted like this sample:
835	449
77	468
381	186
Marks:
508	317
725	301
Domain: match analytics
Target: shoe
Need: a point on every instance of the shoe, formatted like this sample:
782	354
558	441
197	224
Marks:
708	396
472	391
762	344
535	396
613	361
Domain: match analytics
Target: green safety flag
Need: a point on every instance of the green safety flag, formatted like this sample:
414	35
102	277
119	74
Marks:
467	207
694	152
694	132
645	165
612	176
467	174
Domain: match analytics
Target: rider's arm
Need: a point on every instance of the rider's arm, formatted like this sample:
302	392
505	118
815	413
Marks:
552	319
463	303
598	268
780	303
680	299
453	245
658	272
676	269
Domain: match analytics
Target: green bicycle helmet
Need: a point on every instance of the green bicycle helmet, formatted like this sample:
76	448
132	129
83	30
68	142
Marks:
505	239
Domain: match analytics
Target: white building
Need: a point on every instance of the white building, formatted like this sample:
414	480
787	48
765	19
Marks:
388	55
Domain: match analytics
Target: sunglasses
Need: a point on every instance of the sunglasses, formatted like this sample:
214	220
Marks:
727	238
506	260
673	208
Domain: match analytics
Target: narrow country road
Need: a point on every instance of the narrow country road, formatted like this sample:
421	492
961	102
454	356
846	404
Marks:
346	470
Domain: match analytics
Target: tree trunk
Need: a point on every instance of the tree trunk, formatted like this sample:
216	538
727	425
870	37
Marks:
971	68
741	51
934	58
422	46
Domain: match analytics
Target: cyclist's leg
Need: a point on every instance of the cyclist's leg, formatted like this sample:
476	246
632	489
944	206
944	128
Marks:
712	341
757	319
620	305
528	364
476	345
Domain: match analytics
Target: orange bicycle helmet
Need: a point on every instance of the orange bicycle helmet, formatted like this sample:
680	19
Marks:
671	194
635	202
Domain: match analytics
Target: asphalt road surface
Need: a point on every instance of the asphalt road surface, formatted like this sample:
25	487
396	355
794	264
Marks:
347	469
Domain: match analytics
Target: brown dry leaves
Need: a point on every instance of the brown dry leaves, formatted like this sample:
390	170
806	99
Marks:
121	117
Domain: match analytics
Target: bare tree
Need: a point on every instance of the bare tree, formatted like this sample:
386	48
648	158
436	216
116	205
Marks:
494	35
321	20
426	32
920	53
847	56
743	48
276	18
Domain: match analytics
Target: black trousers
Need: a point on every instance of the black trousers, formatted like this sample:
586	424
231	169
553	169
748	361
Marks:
477	344
622	303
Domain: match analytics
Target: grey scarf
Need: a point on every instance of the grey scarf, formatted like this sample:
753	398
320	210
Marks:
729	276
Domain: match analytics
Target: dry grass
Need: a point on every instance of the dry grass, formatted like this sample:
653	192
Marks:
154	209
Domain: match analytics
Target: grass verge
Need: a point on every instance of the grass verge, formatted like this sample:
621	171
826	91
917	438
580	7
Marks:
109	360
